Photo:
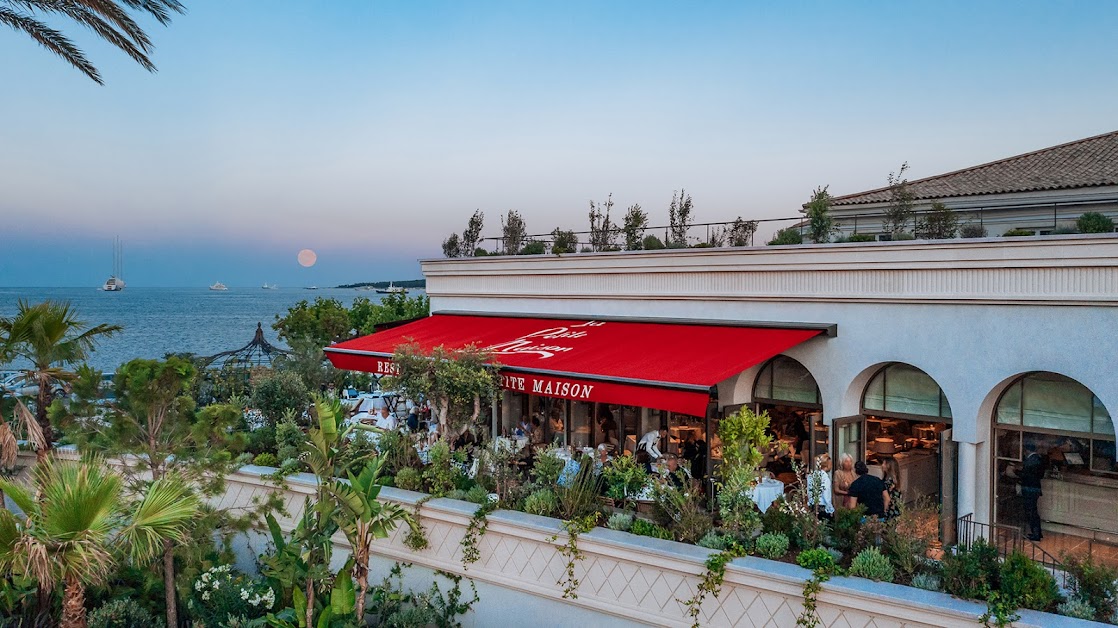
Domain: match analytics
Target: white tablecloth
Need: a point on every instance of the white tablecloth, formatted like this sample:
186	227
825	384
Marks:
765	493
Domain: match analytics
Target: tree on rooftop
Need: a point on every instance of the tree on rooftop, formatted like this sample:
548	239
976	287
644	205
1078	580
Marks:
1094	222
108	19
603	231
636	221
325	322
817	212
940	223
513	232
453	381
741	232
452	246
50	338
563	241
365	315
472	235
901	200
789	235
680	218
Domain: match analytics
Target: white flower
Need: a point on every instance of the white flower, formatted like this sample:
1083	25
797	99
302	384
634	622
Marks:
244	594
216	585
206	577
198	585
206	596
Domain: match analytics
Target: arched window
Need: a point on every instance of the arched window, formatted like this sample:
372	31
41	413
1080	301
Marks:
784	380
902	390
1050	409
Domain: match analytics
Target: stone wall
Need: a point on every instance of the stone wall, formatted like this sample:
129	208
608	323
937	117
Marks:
626	580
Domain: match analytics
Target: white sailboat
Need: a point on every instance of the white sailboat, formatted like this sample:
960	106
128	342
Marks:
268	286
115	283
218	286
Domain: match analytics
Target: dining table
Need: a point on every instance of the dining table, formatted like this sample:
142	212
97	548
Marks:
766	492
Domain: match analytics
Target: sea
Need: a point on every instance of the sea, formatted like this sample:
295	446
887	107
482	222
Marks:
158	321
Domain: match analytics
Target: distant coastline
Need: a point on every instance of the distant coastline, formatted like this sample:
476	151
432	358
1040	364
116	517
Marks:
408	283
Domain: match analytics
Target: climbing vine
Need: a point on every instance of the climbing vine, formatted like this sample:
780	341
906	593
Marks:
416	540
570	551
822	566
479	523
711	583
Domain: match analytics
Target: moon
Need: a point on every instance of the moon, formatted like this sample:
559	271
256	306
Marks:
307	258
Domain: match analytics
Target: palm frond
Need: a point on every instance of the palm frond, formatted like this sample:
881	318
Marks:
21	497
50	39
29	426
159	9
166	510
9	446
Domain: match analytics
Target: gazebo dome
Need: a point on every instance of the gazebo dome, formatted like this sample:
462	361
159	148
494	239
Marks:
257	353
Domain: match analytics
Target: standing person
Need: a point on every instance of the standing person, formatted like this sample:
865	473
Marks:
893	487
868	491
699	462
650	445
607	424
844	477
1032	470
819	487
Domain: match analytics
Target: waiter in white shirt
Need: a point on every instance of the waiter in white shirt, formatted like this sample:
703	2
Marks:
650	444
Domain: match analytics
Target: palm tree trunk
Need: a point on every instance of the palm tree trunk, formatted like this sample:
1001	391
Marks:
73	605
310	601
169	583
361	574
43	420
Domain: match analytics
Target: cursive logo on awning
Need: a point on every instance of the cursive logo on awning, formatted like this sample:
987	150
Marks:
531	343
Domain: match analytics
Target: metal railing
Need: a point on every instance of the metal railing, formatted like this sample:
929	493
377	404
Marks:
1008	539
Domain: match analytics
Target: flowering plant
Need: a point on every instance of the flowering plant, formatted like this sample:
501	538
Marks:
221	595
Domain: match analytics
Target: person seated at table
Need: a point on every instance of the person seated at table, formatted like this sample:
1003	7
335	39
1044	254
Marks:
603	459
386	420
412	422
648	449
535	435
819	487
523	429
868	491
674	473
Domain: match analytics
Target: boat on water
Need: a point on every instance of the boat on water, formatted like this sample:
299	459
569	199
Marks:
311	288
268	286
218	286
115	283
392	289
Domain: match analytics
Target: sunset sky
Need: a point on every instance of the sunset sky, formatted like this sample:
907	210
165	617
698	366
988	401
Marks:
368	131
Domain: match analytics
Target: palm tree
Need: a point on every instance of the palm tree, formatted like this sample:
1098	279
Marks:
109	19
363	519
49	337
77	524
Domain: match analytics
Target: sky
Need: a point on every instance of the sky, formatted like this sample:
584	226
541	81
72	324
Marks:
369	131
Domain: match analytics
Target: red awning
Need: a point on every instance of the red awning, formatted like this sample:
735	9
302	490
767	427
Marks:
662	365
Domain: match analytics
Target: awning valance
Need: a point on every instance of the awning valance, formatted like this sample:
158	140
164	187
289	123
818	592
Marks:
664	365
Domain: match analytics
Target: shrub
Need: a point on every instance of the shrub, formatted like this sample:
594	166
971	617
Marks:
620	521
1026	584
972	230
871	563
289	440
776	520
542	502
440	475
123	613
844	528
548	468
456	494
971	572
535	247
265	460
1094	222
478	495
647	528
652	243
279	394
908	536
818	560
1096	584
927	581
903	235
790	235
409	479
715	540
684	511
262	439
624	478
860	237
1076	607
1016	233
772	546
397	451
219	594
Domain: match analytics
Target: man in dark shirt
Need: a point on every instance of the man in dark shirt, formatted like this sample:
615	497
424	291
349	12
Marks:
869	491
